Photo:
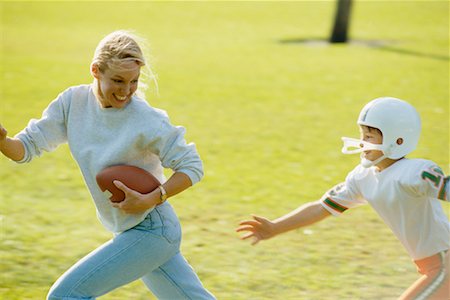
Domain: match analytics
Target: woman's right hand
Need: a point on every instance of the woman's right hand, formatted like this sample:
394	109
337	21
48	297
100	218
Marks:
12	148
259	229
3	134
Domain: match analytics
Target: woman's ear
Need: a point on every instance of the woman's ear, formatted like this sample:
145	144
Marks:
95	71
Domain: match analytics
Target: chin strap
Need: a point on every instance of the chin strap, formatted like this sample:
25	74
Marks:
369	163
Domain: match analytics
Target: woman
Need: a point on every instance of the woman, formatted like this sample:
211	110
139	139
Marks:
106	123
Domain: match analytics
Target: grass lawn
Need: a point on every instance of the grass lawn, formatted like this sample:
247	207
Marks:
266	112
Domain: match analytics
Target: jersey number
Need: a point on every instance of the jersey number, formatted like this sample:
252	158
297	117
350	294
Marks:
436	179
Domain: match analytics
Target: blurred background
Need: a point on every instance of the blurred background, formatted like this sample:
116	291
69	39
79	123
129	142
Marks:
265	97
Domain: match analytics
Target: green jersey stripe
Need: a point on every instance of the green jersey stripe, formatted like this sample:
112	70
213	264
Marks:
335	205
442	193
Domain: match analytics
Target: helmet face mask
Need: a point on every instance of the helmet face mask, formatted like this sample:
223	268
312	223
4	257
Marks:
399	123
352	146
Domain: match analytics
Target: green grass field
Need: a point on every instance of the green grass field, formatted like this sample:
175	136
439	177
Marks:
266	112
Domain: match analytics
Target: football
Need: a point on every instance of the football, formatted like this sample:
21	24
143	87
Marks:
133	177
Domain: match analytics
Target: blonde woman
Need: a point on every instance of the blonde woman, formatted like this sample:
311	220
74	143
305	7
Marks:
105	123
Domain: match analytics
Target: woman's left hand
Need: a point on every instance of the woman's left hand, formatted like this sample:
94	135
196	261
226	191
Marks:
135	202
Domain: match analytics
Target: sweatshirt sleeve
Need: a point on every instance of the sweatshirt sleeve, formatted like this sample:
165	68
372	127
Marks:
176	154
46	133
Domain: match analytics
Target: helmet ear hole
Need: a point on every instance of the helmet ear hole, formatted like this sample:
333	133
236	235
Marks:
399	141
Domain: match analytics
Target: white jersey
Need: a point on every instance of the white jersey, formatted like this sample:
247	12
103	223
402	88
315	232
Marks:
405	195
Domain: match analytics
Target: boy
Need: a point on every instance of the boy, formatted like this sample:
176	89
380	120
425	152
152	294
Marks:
402	191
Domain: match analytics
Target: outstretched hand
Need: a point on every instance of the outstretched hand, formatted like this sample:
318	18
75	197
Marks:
3	134
258	229
134	201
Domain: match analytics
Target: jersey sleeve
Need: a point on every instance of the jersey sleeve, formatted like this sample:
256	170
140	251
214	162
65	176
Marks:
445	190
431	182
342	197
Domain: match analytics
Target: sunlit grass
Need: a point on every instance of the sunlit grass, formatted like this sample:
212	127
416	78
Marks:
266	116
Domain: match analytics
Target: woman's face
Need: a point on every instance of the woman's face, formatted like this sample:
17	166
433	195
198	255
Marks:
116	87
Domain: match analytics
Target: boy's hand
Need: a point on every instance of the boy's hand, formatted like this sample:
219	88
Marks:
135	202
259	229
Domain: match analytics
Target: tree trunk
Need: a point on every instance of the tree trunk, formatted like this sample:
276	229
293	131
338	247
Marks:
341	22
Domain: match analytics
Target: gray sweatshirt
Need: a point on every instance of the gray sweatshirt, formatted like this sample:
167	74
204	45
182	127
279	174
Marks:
137	135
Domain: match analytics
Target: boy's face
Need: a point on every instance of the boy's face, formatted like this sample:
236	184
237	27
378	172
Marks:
372	136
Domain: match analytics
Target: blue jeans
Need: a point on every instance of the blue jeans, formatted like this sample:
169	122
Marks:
150	251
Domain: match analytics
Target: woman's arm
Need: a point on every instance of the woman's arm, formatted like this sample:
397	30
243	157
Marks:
11	147
174	153
177	183
136	202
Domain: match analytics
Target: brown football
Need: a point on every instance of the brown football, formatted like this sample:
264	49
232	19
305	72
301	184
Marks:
133	177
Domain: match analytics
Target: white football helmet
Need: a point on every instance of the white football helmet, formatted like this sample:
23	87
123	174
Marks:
395	119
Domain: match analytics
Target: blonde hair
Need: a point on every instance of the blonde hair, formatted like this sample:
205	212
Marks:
120	47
